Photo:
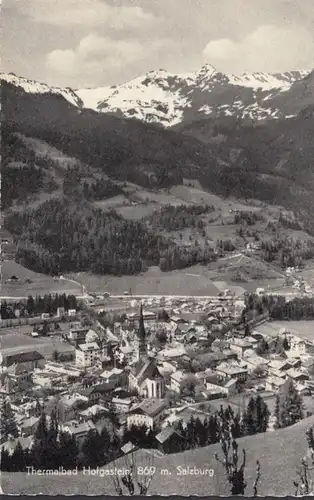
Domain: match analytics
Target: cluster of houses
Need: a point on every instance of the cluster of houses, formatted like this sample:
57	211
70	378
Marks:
148	370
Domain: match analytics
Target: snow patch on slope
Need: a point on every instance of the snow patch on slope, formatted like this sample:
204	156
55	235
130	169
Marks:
34	87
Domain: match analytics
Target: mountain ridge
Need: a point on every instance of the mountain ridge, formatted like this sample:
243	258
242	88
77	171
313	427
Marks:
170	99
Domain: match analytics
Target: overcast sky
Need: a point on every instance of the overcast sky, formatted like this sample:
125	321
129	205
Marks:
87	43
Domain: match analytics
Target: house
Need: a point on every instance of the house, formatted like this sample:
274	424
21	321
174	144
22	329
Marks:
297	346
10	445
117	376
148	316
60	312
215	391
177	380
226	370
28	426
92	412
150	413
255	361
13	279
87	354
240	346
91	336
24	361
79	430
72	312
174	354
128	448
122	404
297	375
99	392
231	387
274	383
308	365
169	441
77	333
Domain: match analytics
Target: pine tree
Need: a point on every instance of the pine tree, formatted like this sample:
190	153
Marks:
18	458
256	416
249	418
40	447
93	449
277	412
291	405
8	426
53	457
68	450
262	414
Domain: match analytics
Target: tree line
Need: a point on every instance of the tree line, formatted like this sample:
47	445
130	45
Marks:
288	252
38	305
176	218
75	184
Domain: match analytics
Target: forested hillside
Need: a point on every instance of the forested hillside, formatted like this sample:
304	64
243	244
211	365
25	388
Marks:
63	236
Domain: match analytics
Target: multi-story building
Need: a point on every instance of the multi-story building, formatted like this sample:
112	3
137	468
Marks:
87	354
150	413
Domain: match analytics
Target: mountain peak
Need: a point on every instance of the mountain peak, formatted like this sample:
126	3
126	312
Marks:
207	69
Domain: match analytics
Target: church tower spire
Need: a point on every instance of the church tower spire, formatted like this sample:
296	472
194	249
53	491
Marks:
142	340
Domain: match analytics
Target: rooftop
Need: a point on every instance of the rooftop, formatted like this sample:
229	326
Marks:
150	406
23	357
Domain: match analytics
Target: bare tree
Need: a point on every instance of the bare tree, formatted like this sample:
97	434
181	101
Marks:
136	478
230	461
304	484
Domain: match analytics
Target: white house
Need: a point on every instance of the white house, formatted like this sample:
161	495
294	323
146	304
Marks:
87	354
240	346
150	413
176	381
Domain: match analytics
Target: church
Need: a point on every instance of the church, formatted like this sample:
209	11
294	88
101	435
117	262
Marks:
145	376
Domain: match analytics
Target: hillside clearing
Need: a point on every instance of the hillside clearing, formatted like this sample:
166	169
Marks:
39	283
191	281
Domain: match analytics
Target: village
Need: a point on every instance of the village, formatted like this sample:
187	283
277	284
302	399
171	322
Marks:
156	366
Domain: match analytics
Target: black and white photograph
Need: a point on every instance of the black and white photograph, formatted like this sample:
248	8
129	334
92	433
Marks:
157	248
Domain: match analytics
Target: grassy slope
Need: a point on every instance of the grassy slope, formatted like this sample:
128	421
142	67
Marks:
41	283
279	454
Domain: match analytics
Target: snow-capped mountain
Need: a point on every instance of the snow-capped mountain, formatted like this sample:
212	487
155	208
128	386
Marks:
34	87
170	99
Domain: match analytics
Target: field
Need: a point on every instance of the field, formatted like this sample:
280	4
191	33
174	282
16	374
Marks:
303	329
40	283
279	453
191	281
15	340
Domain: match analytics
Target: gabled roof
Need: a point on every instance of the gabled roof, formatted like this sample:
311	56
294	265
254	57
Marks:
81	428
146	370
128	447
150	407
165	434
22	357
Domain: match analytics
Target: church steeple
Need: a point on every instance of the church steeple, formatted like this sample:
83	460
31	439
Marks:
141	327
141	335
